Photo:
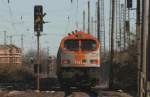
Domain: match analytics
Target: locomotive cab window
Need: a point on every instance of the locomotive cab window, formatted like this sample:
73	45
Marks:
83	45
71	45
88	45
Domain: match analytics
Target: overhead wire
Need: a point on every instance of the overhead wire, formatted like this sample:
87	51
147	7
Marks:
68	17
2	17
76	16
11	18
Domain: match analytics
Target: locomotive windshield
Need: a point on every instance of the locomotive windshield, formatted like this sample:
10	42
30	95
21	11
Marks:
83	45
88	45
72	45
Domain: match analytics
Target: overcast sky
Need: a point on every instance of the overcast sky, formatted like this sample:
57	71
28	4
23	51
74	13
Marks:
17	17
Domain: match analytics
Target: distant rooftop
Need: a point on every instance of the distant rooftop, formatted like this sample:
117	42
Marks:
9	46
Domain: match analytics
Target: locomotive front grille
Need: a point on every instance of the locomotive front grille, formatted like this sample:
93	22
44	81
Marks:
78	62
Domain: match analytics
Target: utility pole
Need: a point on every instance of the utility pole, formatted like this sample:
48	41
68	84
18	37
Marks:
88	17
10	37
102	27
120	26
98	23
112	45
145	42
48	63
144	49
92	21
128	27
110	19
22	42
125	9
116	26
98	20
139	45
148	61
84	21
122	30
5	38
38	60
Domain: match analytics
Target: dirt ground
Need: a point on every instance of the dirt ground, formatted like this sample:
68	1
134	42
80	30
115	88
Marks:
31	94
57	94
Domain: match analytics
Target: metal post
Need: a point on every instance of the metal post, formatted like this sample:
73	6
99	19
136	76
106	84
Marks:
112	45
10	37
92	21
102	27
98	21
125	9
84	21
88	16
38	60
22	42
128	33
148	56
116	27
120	31
110	18
138	37
144	48
5	38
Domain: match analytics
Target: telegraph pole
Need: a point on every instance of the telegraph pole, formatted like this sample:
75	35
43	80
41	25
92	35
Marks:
112	45
125	9
148	61
10	39
22	42
92	21
110	18
88	17
144	49
98	20
38	60
84	20
138	37
120	31
145	64
5	38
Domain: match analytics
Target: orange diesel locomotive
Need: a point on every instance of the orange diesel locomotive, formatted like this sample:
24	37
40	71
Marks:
78	60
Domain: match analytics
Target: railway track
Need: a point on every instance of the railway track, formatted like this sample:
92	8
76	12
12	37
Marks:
99	94
62	94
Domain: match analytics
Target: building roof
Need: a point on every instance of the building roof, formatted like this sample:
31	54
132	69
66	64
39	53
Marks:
9	46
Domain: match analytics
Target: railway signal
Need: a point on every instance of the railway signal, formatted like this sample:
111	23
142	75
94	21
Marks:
38	18
38	27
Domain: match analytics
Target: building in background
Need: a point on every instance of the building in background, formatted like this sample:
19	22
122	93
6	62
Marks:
51	67
10	55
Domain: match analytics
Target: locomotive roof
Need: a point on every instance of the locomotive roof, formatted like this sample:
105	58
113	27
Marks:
79	35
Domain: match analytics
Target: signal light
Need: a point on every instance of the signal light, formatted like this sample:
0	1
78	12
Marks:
84	61
94	61
38	18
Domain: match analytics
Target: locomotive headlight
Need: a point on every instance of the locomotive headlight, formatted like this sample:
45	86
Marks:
65	61
84	61
94	61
